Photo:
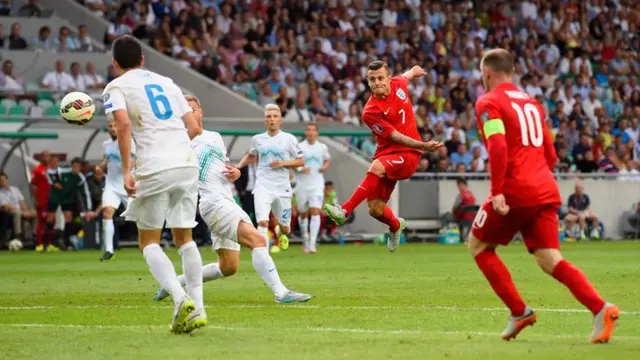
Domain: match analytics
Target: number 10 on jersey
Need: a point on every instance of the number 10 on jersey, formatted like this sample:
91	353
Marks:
530	124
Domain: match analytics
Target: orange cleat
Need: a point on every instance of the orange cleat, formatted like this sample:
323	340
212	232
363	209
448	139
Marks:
517	324
604	323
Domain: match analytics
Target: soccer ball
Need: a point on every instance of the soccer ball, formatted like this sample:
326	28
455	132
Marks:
15	245
77	108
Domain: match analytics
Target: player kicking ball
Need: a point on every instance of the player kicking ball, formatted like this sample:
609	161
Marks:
166	185
524	198
310	186
389	115
229	224
113	194
276	152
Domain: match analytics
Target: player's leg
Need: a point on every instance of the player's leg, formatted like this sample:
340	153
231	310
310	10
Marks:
281	207
490	230
263	263
315	203
303	218
110	202
180	216
569	222
41	213
378	209
541	237
50	227
339	214
148	211
69	227
595	222
262	205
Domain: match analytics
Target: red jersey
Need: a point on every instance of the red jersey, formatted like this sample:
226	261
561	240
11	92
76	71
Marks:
521	152
41	183
395	112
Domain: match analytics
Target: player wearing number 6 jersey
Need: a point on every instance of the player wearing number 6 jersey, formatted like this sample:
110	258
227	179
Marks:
389	115
524	198
165	188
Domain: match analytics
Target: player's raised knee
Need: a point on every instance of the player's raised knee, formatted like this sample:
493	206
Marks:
376	167
107	213
314	212
376	208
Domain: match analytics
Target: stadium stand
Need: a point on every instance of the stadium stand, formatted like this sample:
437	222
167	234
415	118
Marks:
579	58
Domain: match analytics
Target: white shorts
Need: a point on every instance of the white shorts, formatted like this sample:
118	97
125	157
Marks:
113	199
223	217
171	195
264	201
309	198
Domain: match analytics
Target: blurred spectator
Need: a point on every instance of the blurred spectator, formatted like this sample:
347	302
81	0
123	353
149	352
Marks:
580	211
58	80
82	42
43	41
31	8
40	188
10	86
15	40
13	211
5	8
463	200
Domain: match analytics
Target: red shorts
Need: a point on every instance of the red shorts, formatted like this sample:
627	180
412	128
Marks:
399	166
538	226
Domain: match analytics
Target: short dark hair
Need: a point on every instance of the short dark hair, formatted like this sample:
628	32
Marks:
377	65
4	175
328	183
499	60
77	160
314	125
127	52
461	181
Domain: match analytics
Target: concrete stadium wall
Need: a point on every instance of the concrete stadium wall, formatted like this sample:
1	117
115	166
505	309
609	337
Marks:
31	66
609	198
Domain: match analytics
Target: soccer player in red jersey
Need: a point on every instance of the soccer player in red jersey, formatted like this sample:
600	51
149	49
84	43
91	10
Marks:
389	115
40	192
524	198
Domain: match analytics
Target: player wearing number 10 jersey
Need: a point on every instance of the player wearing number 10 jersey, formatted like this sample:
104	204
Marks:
166	185
524	198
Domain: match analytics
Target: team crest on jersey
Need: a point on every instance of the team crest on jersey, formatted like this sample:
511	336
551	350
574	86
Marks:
377	128
401	94
484	117
106	97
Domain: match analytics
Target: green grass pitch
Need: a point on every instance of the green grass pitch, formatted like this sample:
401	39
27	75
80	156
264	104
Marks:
422	302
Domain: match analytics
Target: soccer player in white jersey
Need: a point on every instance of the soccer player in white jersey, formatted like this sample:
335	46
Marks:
276	152
165	187
310	186
114	193
229	224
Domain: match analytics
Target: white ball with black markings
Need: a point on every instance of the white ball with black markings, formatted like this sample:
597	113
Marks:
77	108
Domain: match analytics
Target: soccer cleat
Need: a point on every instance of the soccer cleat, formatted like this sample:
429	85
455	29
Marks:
181	313
292	297
52	248
274	250
283	239
604	324
394	237
517	324
40	248
305	250
336	213
195	320
160	295
106	256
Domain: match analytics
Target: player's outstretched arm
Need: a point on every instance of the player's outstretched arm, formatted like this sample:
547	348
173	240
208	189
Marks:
401	139
415	71
123	127
549	150
194	128
490	120
246	160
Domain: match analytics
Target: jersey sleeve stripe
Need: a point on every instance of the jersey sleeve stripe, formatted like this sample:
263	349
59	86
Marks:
493	127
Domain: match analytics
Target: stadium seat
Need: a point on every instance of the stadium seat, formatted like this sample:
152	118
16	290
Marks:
28	104
7	103
52	111
45	103
17	110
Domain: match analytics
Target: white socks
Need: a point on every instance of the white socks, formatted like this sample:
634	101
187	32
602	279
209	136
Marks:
263	263
163	271
210	272
192	269
314	229
304	230
109	230
265	234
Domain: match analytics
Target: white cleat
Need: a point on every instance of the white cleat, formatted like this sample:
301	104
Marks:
394	237
182	310
292	296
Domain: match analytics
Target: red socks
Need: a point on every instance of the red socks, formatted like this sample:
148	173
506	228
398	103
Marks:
389	219
574	279
500	279
360	194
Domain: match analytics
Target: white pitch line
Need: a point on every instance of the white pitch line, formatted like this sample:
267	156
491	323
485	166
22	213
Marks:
314	329
306	306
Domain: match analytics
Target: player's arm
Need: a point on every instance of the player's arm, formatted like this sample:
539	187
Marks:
295	153
415	72
327	160
252	156
116	107
376	122
490	121
231	172
83	190
103	164
549	150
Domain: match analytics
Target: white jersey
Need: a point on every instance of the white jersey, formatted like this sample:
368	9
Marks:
156	106
282	146
115	175
212	157
314	156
